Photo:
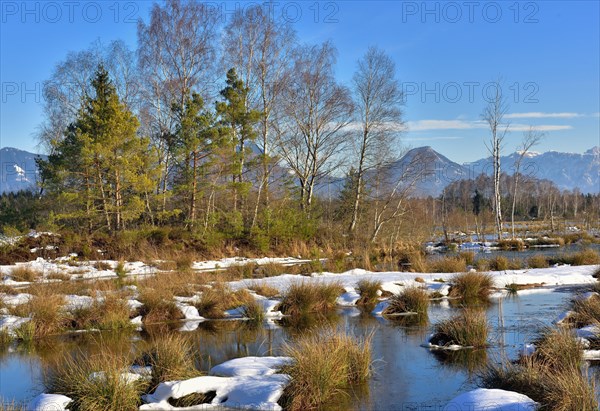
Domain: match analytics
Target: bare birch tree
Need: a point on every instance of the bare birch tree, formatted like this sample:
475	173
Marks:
259	46
531	137
493	115
176	53
378	101
317	112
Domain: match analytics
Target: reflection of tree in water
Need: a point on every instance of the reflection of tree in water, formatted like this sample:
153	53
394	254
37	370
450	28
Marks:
301	324
470	360
412	324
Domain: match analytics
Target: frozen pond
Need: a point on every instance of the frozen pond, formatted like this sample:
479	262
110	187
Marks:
407	376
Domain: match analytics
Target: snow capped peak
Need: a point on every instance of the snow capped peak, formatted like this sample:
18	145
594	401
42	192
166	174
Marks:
529	154
594	151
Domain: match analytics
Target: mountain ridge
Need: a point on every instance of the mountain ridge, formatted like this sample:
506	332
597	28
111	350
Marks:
567	170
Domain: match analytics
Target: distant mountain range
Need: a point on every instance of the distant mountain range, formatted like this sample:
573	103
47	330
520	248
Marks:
18	170
567	170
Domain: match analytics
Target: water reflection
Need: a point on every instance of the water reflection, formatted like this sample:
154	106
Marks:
406	375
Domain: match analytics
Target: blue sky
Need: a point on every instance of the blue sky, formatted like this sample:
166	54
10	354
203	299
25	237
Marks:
546	53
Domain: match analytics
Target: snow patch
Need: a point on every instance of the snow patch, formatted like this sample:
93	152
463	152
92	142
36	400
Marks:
492	400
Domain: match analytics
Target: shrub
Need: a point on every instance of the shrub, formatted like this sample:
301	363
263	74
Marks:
538	261
305	297
447	265
468	329
411	299
369	291
25	273
120	269
323	366
472	286
105	390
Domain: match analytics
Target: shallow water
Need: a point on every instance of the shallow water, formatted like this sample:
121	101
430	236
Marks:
407	376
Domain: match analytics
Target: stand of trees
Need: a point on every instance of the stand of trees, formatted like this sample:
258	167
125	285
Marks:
227	132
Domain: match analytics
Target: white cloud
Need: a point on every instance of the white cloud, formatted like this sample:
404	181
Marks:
432	138
422	125
538	114
426	125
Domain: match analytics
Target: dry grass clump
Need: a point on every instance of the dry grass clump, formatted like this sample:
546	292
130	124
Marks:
468	329
412	258
264	290
219	298
241	271
586	257
410	300
105	390
158	306
24	273
270	270
538	261
585	311
323	366
551	376
558	349
111	313
447	265
102	266
47	314
58	276
472	286
511	244
369	291
254	311
498	263
309	297
171	357
468	256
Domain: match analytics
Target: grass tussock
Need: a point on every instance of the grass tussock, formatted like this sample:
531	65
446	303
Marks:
468	329
25	273
472	286
306	297
369	291
219	298
585	311
323	366
447	265
586	257
558	349
112	313
47	314
411	299
158	306
105	390
264	290
538	261
171	357
551	376
254	311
